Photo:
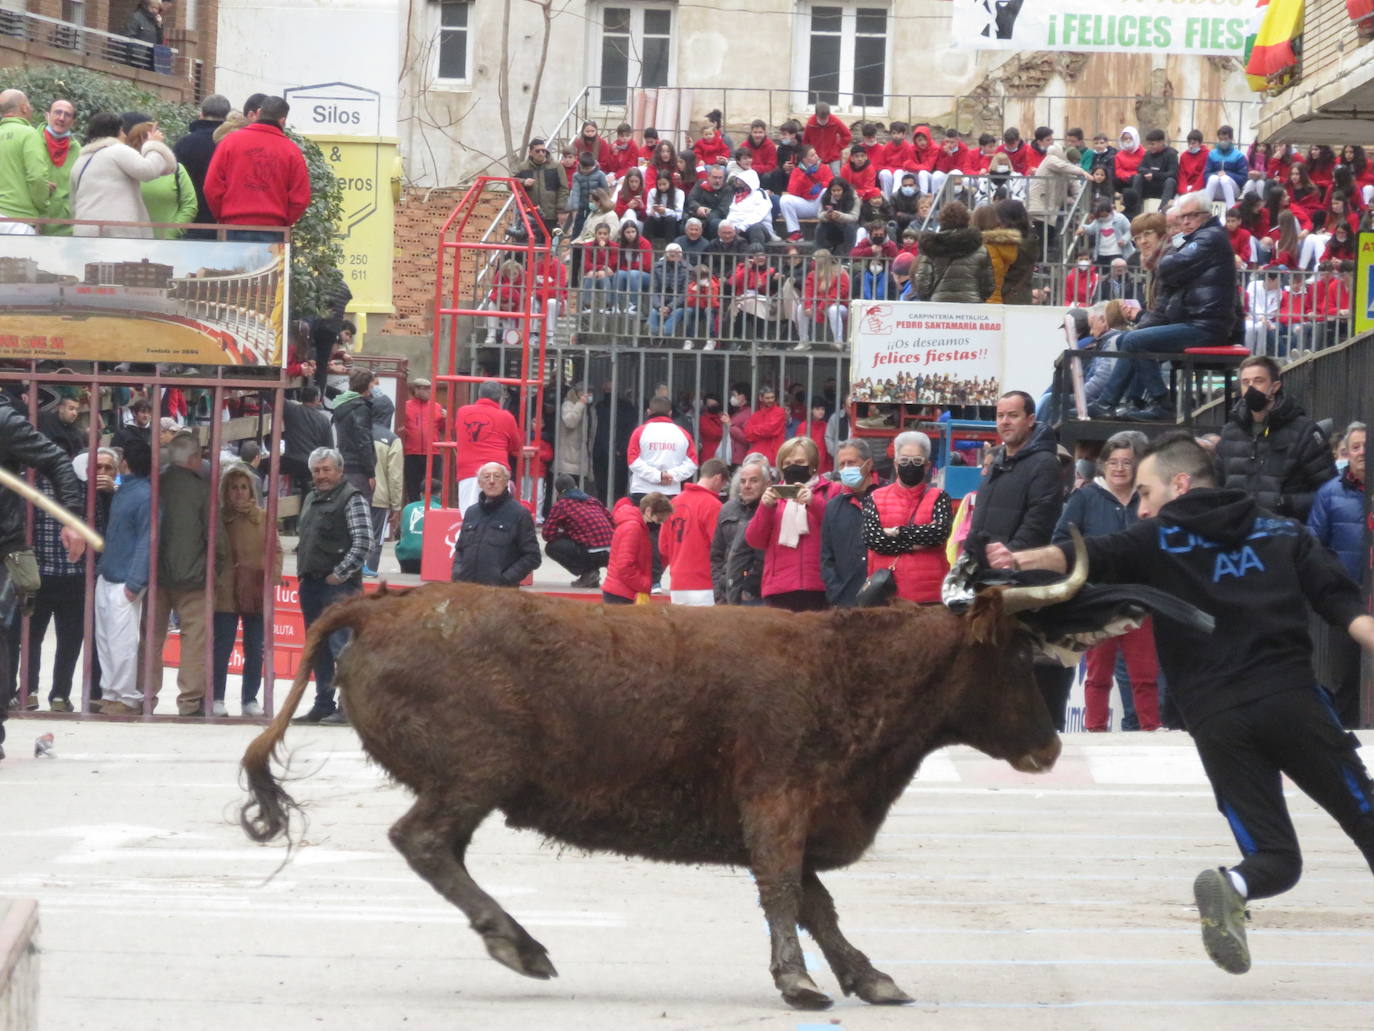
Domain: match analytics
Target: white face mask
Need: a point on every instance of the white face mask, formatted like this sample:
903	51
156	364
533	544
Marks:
1083	266
1193	148
908	191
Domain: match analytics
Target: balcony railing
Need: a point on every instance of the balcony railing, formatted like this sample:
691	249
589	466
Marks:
93	43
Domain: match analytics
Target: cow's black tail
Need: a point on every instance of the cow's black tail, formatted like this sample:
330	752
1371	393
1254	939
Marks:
267	814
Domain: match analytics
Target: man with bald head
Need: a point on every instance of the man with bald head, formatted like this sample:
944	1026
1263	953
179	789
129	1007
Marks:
24	184
60	151
496	544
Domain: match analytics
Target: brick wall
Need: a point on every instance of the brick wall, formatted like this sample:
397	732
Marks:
419	217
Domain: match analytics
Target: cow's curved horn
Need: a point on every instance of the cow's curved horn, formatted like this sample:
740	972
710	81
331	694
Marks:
1020	599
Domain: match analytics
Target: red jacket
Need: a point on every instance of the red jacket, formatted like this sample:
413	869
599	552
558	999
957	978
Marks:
712	430
1128	163
507	294
919	574
894	155
739	441
828	139
623	197
922	158
708	152
685	541
1240	243
766	430
788	569
485	432
815	303
640	259
424	424
550	280
815	429
1079	287
1019	158
630	568
622	158
958	161
809	187
1192	170
1328	298
597	148
982	162
1034	159
864	180
765	155
257	177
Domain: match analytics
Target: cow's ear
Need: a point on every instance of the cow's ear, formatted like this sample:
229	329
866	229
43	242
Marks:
988	624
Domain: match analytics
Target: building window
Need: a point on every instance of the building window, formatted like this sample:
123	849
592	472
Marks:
634	48
846	56
453	46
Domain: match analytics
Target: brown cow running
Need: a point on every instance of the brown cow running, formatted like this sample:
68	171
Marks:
743	736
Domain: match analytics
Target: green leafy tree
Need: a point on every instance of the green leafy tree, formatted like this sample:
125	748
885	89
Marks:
315	251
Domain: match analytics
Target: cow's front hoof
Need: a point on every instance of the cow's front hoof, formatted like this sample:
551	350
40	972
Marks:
531	959
881	990
801	993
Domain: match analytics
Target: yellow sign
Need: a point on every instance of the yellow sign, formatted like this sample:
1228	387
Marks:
366	231
1364	288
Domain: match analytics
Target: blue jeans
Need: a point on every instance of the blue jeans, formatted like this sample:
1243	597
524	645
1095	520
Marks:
1129	720
226	625
660	326
253	236
316	596
1170	339
633	283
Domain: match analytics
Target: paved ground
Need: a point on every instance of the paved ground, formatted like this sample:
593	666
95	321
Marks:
996	899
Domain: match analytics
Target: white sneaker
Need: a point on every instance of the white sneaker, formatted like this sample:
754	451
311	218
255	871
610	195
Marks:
687	345
252	709
221	709
709	346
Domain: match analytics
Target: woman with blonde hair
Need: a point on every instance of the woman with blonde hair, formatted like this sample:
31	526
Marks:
788	530
825	300
240	578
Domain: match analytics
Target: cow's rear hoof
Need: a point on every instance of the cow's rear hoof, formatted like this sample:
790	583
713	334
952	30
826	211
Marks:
802	994
882	991
531	960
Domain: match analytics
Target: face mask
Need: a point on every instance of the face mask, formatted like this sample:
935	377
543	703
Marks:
58	135
1342	464
908	191
1256	399
910	475
1083	266
851	476
1193	149
810	169
875	267
795	473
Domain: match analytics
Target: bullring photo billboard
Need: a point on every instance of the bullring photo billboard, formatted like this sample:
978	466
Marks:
194	302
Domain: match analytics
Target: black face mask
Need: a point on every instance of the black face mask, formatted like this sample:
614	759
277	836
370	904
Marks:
910	475
796	473
713	407
1256	399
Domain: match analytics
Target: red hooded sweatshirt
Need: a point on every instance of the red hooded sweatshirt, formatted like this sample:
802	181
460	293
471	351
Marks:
828	139
685	541
895	155
1192	170
1019	158
710	151
864	180
922	158
623	157
257	178
630	568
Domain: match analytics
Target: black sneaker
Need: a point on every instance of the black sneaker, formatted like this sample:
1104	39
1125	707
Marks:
1156	411
1222	911
315	715
1101	410
337	718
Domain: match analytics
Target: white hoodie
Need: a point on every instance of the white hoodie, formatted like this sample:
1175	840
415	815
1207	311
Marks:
751	209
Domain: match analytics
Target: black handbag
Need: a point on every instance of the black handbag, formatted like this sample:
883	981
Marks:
878	589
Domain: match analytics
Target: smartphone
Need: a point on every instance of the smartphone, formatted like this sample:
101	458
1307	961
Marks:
787	490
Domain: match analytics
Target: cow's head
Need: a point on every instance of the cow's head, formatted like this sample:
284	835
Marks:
1000	709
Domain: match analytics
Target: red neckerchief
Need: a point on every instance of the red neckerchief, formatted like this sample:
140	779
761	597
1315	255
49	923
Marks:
57	149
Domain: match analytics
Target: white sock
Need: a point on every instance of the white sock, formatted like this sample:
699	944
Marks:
1239	882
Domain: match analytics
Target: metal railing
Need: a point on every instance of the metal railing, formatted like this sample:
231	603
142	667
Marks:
94	43
671	109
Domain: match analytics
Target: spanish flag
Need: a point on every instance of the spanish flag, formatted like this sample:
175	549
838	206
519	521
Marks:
1270	54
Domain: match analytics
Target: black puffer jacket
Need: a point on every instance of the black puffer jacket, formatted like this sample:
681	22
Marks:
353	434
1020	498
954	267
21	445
1199	279
1282	465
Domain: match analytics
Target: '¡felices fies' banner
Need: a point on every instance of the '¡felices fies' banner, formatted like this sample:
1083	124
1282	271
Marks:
1215	27
925	353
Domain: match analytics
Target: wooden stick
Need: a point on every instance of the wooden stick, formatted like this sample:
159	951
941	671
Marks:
21	487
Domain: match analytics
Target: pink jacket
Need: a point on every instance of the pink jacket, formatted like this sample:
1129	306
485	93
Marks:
788	569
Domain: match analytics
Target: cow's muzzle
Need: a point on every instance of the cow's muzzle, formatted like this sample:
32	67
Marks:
1041	760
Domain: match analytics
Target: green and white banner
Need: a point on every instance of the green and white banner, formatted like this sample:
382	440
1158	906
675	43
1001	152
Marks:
1124	26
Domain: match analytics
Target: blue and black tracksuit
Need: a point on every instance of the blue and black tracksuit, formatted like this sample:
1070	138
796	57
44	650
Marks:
1247	692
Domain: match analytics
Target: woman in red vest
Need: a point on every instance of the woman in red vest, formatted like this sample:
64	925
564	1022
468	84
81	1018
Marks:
907	523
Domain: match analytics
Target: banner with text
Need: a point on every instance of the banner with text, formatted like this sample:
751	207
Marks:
919	353
1139	27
